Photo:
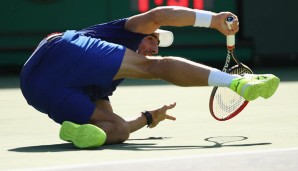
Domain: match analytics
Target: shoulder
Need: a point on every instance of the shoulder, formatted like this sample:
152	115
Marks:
111	25
121	21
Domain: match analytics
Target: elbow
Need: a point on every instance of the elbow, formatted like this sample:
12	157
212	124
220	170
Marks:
157	15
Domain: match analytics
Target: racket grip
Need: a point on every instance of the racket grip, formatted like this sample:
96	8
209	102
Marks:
230	38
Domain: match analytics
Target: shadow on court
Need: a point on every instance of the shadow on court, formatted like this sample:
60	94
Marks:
215	142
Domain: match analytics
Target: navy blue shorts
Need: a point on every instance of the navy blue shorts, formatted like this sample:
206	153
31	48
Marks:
54	77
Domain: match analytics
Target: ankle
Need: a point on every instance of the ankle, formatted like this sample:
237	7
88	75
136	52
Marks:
220	79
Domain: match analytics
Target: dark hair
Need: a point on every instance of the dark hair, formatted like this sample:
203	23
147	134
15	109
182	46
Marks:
155	37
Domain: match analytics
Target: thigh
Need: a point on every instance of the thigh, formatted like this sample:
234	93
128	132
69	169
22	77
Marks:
105	104
59	102
135	65
73	106
104	113
116	128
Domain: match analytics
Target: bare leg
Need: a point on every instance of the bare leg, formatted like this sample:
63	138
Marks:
180	71
116	128
175	70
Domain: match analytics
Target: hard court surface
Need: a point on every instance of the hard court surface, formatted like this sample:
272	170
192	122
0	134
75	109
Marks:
263	137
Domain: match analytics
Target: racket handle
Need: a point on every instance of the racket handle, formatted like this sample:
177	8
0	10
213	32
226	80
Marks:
230	38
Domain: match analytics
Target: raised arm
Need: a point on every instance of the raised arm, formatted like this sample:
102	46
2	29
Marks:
148	22
151	20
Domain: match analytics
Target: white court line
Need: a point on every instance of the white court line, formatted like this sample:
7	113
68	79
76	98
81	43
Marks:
271	160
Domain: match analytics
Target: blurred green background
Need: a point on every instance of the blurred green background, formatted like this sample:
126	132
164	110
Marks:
268	30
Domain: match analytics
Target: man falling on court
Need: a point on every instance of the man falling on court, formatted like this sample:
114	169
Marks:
71	75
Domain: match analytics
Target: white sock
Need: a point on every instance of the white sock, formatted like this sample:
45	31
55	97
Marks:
220	79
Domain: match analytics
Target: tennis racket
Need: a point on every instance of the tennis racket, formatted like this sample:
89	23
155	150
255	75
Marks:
224	103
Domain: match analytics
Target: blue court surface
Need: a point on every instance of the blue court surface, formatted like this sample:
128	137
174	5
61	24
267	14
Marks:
263	137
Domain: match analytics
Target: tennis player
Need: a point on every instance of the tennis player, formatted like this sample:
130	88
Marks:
71	75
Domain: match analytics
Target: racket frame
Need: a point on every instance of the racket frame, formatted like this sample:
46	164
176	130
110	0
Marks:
240	108
230	54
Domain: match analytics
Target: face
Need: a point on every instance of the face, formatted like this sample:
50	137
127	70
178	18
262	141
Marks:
149	45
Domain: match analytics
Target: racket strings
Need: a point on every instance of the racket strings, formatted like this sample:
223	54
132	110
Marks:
227	102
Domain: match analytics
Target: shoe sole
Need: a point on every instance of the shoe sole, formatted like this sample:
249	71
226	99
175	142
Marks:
82	136
272	84
264	89
253	91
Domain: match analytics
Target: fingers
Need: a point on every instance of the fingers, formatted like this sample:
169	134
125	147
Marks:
235	25
219	23
170	117
167	107
170	106
161	114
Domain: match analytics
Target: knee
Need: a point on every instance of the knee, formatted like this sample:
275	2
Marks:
123	131
154	67
117	132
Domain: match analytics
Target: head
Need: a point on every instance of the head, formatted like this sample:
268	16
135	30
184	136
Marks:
149	45
160	38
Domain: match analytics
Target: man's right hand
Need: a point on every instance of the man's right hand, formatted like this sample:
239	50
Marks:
218	22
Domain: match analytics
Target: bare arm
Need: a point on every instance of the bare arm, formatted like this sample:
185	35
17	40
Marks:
148	22
139	122
158	115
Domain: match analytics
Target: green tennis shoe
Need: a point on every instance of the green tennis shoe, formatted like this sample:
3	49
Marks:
82	136
252	86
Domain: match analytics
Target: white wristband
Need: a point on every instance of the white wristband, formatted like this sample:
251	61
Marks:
203	18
